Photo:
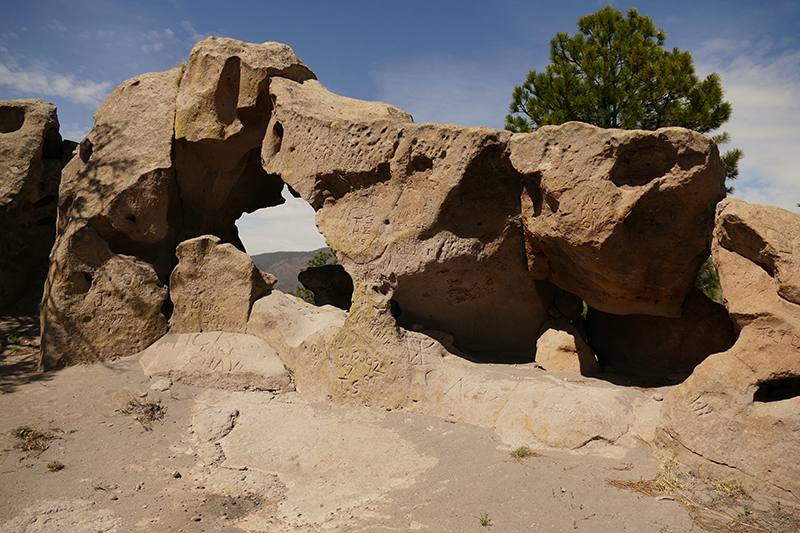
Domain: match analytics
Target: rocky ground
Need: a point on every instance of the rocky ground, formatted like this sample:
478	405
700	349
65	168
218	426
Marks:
118	451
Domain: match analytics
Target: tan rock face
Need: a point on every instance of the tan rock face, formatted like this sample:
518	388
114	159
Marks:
97	304
117	201
656	347
222	109
592	196
214	286
31	159
738	414
427	214
221	360
439	226
560	348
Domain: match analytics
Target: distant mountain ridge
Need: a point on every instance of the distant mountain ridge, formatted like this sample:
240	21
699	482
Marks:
285	266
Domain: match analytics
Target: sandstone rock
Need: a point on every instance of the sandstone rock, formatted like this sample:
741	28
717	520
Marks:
119	201
97	304
422	371
123	183
560	348
223	106
738	414
31	159
428	215
214	286
655	347
591	196
331	285
222	360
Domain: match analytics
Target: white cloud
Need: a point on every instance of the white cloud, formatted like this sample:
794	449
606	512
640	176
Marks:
445	89
41	81
284	228
56	25
194	36
764	89
74	131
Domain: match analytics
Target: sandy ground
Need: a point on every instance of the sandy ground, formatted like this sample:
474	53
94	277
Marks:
257	462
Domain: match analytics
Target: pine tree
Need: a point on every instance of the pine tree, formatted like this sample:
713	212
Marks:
615	73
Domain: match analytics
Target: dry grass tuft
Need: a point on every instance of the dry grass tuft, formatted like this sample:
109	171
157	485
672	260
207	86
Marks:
143	412
30	439
719	506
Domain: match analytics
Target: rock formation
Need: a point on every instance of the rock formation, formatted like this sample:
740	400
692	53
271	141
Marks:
561	348
738	414
214	286
331	285
461	244
32	155
593	196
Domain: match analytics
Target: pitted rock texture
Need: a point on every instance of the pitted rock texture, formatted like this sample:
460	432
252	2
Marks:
620	218
222	110
118	209
32	155
738	414
427	214
214	286
98	304
436	225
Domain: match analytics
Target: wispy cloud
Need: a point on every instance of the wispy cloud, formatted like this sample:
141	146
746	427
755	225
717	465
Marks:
445	89
763	86
41	81
194	36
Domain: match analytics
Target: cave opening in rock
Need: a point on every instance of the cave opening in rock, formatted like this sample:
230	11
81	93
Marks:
283	240
775	390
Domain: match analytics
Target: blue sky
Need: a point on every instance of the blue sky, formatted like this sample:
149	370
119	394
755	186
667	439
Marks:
443	61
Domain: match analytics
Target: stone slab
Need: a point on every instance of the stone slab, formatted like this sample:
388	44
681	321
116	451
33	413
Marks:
224	360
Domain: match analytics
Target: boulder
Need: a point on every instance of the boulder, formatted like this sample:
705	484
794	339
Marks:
232	361
561	348
32	155
214	286
654	347
97	305
331	285
118	199
222	110
427	215
592	196
424	372
738	414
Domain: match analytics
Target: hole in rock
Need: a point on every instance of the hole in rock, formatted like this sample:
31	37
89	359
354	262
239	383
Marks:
282	240
775	390
11	118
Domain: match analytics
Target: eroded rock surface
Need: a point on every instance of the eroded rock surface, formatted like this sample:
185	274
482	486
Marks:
222	360
214	286
561	348
592	196
32	155
738	414
98	304
117	208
